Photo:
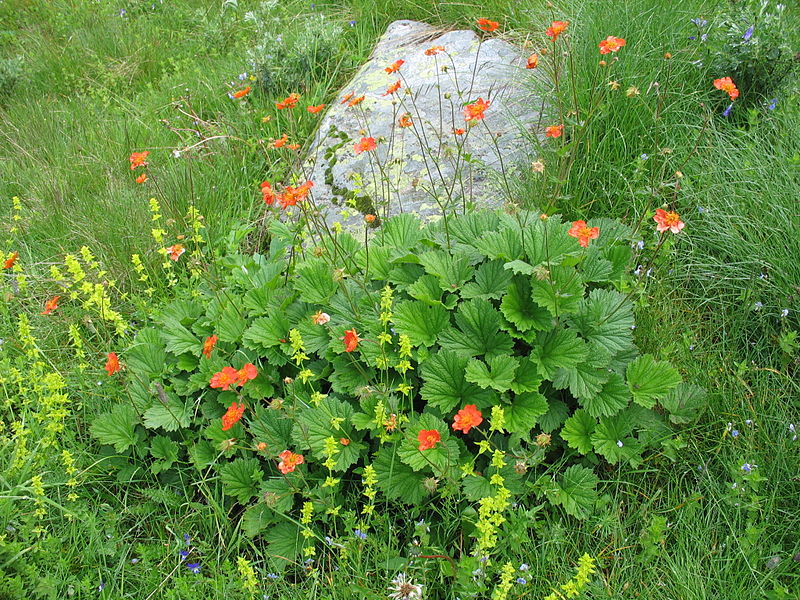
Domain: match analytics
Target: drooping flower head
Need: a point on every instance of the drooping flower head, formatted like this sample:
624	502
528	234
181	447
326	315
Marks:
428	438
241	93
556	29
232	416
487	25
467	418
434	50
554	131
392	88
584	233
726	85
315	109
112	364
356	101
289	102
175	251
405	121
533	61
395	66
351	340
475	111
267	193
11	260
291	195
668	221
141	178
366	144
138	159
208	345
611	44
51	305
280	142
246	373
289	461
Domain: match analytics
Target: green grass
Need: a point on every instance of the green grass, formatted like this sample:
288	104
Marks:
95	87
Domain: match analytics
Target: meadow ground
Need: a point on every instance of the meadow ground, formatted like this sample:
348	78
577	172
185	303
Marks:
83	84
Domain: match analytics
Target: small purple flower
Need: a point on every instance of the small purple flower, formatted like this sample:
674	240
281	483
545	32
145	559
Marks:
352	23
640	245
186	538
735	433
701	210
704	37
748	422
728	110
522	580
748	34
360	534
184	554
102	586
773	104
524	567
194	568
758	306
122	12
748	468
699	22
272	576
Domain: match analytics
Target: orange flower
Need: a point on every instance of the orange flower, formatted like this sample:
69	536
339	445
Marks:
474	111
395	66
434	50
241	93
726	85
246	373
668	221
369	218
208	345
267	193
291	195
293	146
554	131
346	98
230	418
112	364
51	305
556	29
175	251
138	159
261	446
355	101
320	318
344	441
405	121
584	233
224	379
392	88
289	461
487	25
288	102
428	438
533	61
459	131
351	340
467	418
141	178
365	145
280	142
11	260
611	44
315	109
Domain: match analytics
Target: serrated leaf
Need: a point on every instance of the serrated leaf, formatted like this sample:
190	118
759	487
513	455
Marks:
401	232
146	357
329	419
314	281
284	543
397	480
445	385
230	324
267	332
202	454
586	379
439	458
518	307
519	267
561	294
524	411
650	380
684	403
547	242
554	417
558	348
491	280
170	415
179	340
505	244
452	270
347	376
612	440
117	427
240	478
476	487
595	268
527	378
279	493
605	318
257	518
272	427
498	375
165	451
426	289
472	226
422	323
478	331
577	491
577	431
612	398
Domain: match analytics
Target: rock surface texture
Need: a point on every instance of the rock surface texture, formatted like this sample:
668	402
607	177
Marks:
426	166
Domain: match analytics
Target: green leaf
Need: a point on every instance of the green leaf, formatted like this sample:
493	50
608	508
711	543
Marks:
478	331
547	242
146	357
178	339
329	419
165	451
612	440
420	322
440	458
314	281
278	493
397	480
170	415
605	318
558	348
586	379
524	411
230	324
684	403
257	518
117	427
594	267
612	398
284	543
267	332
527	378
272	427
445	385
649	379
453	270
520	267
491	280
472	226
520	310
561	294
498	376
577	431
427	290
554	417
505	244
476	487
577	491
347	376
401	231
202	454
240	478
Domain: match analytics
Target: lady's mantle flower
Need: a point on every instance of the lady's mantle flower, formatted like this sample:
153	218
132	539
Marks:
583	233
726	85
289	461
112	364
428	438
668	221
611	44
232	416
467	418
404	588
556	29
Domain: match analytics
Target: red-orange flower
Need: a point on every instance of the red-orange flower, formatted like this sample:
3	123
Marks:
246	373
230	418
288	102
241	93
138	159
11	260
280	142
315	109
347	98
267	193
293	146
428	438
474	111
289	461
405	121
224	379
112	363
175	251
344	441
467	418
434	50
141	178
392	88
395	66
726	85
554	131
459	131
51	305
291	195
584	233
351	340
365	145
487	25
556	29
611	44
208	345
356	101
668	221
533	61
370	218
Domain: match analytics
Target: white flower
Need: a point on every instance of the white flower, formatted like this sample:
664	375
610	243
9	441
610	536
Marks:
403	588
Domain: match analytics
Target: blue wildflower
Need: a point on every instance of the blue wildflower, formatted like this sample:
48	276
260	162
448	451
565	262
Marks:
704	37
699	22
522	580
773	104
748	468
360	534
186	538
352	23
184	554
758	306
735	433
785	312
101	586
748	34
122	12
524	567
728	110
272	576
194	568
